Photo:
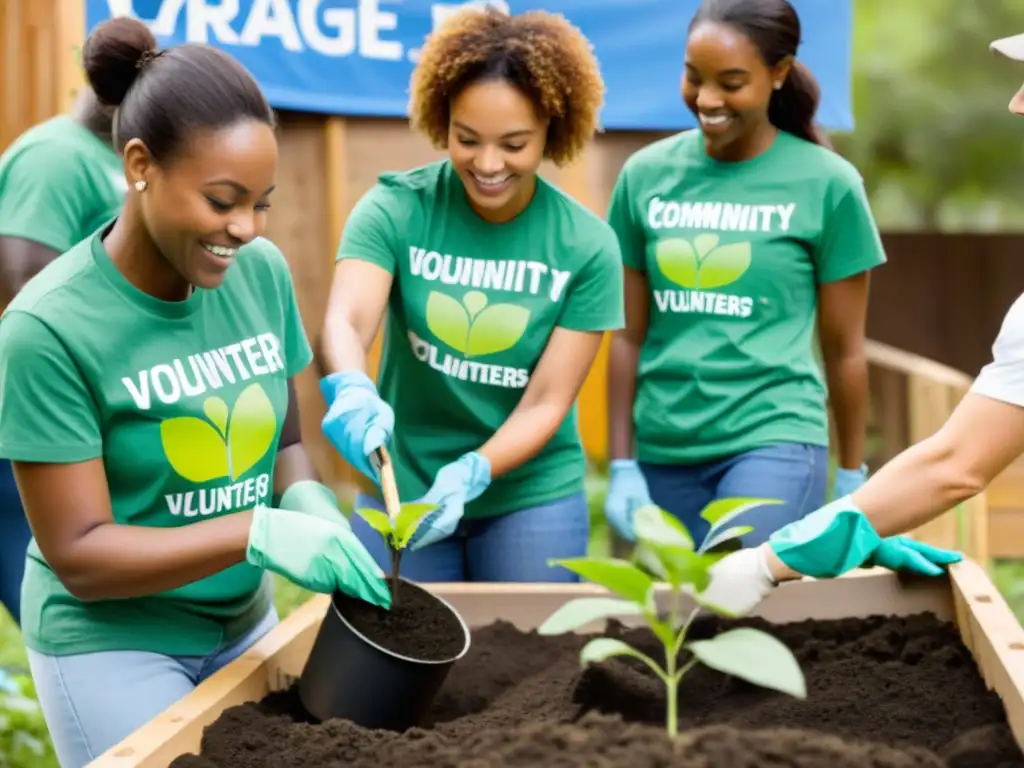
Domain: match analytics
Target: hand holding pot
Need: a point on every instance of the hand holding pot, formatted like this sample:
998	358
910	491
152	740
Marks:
627	492
357	421
455	484
317	554
848	480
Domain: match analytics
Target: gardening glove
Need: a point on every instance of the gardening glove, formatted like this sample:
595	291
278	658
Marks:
738	584
313	498
848	480
357	422
900	553
456	484
627	492
838	537
316	554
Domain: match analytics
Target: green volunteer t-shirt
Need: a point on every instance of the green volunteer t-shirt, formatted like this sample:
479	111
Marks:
734	254
59	183
183	402
471	310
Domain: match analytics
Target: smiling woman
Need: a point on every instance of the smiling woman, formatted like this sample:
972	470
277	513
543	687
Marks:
746	243
147	406
497	289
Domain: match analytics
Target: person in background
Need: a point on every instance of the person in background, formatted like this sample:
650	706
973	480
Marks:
59	181
980	439
745	242
497	288
148	409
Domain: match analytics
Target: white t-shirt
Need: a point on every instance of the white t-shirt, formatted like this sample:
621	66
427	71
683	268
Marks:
1003	378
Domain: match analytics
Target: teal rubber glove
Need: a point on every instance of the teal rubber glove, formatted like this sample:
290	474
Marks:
357	421
456	484
316	554
838	538
848	480
627	492
899	553
313	498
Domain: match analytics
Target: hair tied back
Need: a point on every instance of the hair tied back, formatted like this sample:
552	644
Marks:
146	57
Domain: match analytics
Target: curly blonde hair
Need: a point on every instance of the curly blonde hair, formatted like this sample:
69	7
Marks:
540	53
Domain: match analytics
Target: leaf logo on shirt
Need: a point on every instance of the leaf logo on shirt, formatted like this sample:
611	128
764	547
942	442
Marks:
225	443
473	327
702	264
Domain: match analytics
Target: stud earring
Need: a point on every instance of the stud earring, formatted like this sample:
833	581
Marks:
140	185
777	86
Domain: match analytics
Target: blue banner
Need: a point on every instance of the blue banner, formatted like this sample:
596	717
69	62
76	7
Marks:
354	57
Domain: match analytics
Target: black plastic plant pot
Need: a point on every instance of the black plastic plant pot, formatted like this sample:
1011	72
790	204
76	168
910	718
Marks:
352	674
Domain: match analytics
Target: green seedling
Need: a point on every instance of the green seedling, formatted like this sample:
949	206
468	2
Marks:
666	553
396	533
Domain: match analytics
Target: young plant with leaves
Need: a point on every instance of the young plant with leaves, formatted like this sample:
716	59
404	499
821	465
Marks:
666	553
396	532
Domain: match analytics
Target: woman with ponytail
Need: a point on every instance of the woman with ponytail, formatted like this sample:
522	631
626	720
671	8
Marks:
741	241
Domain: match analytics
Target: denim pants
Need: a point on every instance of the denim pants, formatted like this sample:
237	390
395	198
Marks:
14	538
91	701
511	547
794	473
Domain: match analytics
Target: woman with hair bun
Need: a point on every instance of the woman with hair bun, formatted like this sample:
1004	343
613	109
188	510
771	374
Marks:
147	407
497	289
746	242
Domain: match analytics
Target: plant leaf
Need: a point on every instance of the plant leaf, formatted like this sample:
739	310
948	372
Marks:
216	411
714	539
498	327
684	566
583	610
647	558
602	648
721	512
474	301
724	265
376	519
408	519
251	430
194	449
704	244
654	525
447	320
618	576
677	261
754	656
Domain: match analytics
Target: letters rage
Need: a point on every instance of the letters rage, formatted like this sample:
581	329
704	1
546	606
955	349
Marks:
329	27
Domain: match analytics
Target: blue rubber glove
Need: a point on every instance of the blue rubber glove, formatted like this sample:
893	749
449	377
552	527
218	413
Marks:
456	484
848	480
838	537
627	492
357	422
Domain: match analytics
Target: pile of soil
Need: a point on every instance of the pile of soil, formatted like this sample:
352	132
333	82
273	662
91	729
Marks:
883	692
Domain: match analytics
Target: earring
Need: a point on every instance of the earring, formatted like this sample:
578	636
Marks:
140	185
777	86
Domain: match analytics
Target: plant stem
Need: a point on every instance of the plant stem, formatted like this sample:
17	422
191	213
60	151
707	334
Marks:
396	556
671	681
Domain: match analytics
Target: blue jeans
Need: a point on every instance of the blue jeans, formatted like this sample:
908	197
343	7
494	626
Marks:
91	701
511	547
14	538
794	473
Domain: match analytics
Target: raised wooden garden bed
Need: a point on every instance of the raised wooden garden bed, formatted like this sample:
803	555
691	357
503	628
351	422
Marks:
890	683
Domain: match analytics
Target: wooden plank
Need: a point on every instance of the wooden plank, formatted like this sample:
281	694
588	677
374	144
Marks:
994	636
69	23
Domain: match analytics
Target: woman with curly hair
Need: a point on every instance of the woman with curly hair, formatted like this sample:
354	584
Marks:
497	288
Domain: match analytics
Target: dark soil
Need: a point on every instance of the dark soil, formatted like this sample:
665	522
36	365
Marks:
416	626
882	693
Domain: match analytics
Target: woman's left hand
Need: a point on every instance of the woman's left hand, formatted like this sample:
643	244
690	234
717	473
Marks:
456	484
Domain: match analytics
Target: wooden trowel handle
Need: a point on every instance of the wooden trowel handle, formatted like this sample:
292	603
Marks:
387	483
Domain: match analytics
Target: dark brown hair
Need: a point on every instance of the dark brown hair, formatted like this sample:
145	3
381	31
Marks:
164	95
